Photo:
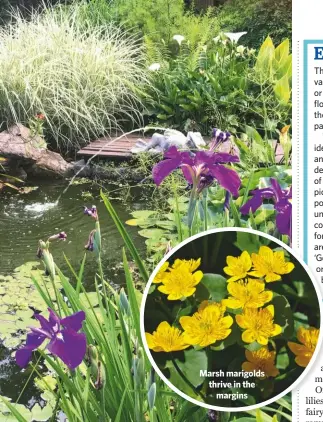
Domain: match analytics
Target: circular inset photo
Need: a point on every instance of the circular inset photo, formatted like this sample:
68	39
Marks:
231	319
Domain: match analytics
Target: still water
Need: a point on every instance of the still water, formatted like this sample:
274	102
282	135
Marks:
24	219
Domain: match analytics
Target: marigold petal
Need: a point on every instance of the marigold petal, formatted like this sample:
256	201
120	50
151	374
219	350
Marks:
262	340
302	360
270	277
249	367
297	349
228	270
272	371
280	255
231	261
163	288
233	303
289	267
188	292
197	276
235	289
185	322
176	296
271	310
227	321
255	286
266	296
250	356
234	278
277	330
242	321
266	252
256	274
246	260
248	336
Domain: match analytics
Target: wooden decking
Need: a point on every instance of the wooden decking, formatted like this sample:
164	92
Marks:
111	148
115	148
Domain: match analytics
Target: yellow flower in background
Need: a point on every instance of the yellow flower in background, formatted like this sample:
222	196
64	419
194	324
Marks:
180	282
166	339
238	267
209	304
206	326
247	294
304	352
270	264
190	264
162	273
258	325
262	360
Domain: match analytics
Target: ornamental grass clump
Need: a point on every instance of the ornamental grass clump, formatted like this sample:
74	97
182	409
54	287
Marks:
85	81
211	309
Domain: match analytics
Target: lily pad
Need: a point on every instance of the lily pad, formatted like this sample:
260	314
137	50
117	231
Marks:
19	300
41	414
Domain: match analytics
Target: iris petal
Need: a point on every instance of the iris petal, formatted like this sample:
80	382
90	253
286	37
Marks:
71	348
227	178
162	169
23	356
74	322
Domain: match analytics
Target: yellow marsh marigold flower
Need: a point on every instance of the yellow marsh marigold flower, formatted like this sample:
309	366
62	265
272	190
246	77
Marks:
304	352
206	326
190	264
262	360
258	325
270	264
162	273
247	294
180	282
166	339
238	267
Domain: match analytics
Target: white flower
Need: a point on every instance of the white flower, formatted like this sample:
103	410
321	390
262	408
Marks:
179	38
241	49
234	36
217	39
154	67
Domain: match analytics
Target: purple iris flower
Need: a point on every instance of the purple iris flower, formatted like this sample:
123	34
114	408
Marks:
218	138
90	242
65	341
200	168
91	212
58	236
282	205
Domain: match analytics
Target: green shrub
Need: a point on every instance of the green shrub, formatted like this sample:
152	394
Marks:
219	85
86	81
156	20
260	18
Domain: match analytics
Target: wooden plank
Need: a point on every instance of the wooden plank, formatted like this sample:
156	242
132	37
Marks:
113	147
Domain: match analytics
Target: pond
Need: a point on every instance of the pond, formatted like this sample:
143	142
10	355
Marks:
27	218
